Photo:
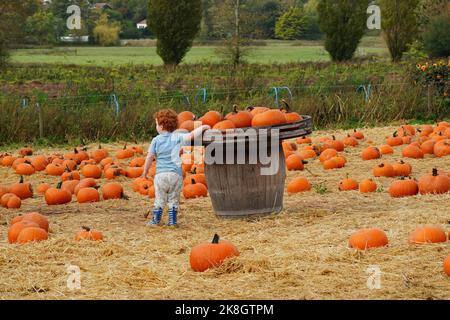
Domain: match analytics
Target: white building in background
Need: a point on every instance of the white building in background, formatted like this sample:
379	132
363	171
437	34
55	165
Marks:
142	24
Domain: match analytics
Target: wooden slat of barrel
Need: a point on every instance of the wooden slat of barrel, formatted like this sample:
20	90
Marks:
238	190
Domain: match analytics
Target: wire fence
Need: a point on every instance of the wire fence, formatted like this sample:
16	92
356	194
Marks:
39	114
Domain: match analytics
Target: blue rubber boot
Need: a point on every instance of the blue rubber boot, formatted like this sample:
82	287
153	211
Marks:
157	214
173	217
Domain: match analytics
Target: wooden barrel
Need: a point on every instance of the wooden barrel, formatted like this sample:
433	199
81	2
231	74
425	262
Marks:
239	190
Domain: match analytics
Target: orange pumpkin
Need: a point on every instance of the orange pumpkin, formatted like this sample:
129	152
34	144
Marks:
427	147
413	152
15	229
386	149
403	188
383	170
358	135
125	153
137	162
367	186
89	235
442	148
304	140
348	185
91	171
257	110
54	169
394	141
211	255
327	155
24	152
70	175
5	198
271	117
195	190
447	265
37	218
211	118
8	161
13	202
22	190
299	184
88	195
25	169
185	116
371	153
240	119
57	196
39	163
402	169
295	163
368	238
291	117
434	183
112	191
428	234
224	125
32	234
99	154
70	185
350	141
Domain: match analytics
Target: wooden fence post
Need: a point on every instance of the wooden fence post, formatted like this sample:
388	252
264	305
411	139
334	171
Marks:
41	121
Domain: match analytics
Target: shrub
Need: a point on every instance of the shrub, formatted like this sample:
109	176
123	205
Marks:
106	33
175	24
437	37
291	24
400	25
344	23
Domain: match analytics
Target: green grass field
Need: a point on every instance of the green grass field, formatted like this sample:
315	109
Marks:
274	52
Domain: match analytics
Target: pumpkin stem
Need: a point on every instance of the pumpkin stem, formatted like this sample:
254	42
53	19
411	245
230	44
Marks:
304	162
21	179
125	147
250	108
334	138
99	146
287	107
193	181
67	168
395	134
86	228
59	185
124	196
435	172
75	151
216	239
235	108
194	171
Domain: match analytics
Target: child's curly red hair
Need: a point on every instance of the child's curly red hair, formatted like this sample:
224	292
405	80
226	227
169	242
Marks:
167	119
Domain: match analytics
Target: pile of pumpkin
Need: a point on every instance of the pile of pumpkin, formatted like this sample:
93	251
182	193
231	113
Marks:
434	141
70	167
258	116
33	227
375	238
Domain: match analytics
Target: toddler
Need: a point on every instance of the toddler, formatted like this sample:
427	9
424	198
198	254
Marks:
165	148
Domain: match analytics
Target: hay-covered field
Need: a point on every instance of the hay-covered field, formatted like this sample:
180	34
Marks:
301	253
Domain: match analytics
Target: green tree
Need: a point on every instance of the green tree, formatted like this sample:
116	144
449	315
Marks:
399	22
175	24
343	22
40	28
291	25
12	32
437	37
105	32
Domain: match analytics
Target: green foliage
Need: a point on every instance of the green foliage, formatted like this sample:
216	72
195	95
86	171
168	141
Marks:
435	75
12	13
40	28
106	33
175	24
76	100
400	25
344	24
437	37
291	24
